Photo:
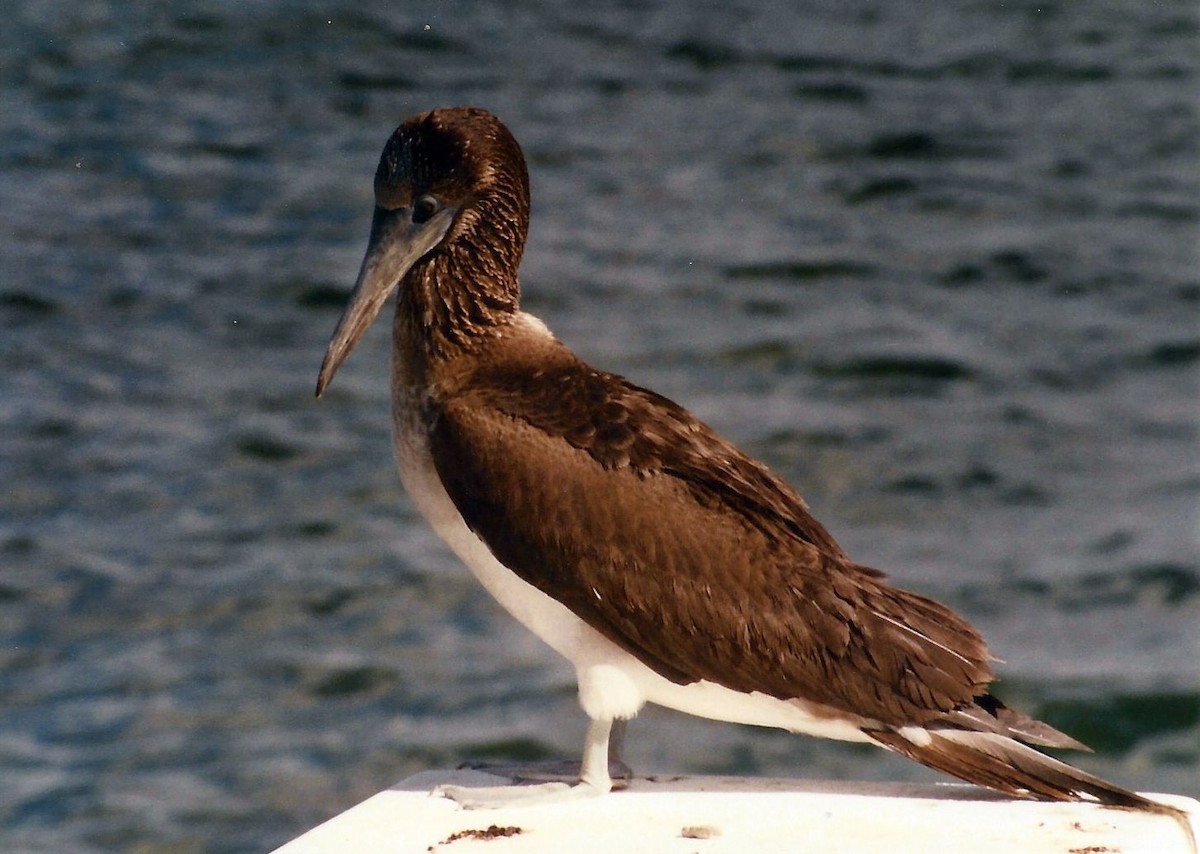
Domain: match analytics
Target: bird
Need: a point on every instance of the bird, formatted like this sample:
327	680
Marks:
666	565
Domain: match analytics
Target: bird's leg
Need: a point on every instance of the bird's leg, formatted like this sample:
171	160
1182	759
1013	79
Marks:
594	778
616	744
597	748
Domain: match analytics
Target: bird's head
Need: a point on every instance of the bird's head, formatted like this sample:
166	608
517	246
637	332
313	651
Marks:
451	194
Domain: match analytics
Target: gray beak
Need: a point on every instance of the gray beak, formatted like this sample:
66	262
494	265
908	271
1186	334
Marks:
396	244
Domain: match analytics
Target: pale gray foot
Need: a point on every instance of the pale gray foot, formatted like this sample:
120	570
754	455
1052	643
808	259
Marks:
601	760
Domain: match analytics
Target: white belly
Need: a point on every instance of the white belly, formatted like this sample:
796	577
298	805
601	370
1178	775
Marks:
612	682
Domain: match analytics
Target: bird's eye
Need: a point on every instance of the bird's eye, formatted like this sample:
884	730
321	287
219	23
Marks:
424	208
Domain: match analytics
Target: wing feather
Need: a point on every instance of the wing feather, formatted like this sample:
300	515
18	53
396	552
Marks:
685	552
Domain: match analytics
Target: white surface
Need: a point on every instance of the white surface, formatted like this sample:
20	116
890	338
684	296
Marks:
666	814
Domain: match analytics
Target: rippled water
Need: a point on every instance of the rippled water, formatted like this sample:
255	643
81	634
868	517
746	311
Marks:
937	265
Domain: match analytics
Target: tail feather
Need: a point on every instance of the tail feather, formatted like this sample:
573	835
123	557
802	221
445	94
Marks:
1002	763
987	714
1008	766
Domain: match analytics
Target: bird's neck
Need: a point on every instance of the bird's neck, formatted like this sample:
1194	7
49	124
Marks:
451	303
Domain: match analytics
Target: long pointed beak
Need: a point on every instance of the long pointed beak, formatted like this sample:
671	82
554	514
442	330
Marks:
396	244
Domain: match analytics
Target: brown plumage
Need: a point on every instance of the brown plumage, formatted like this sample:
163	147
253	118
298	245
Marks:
676	556
556	466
